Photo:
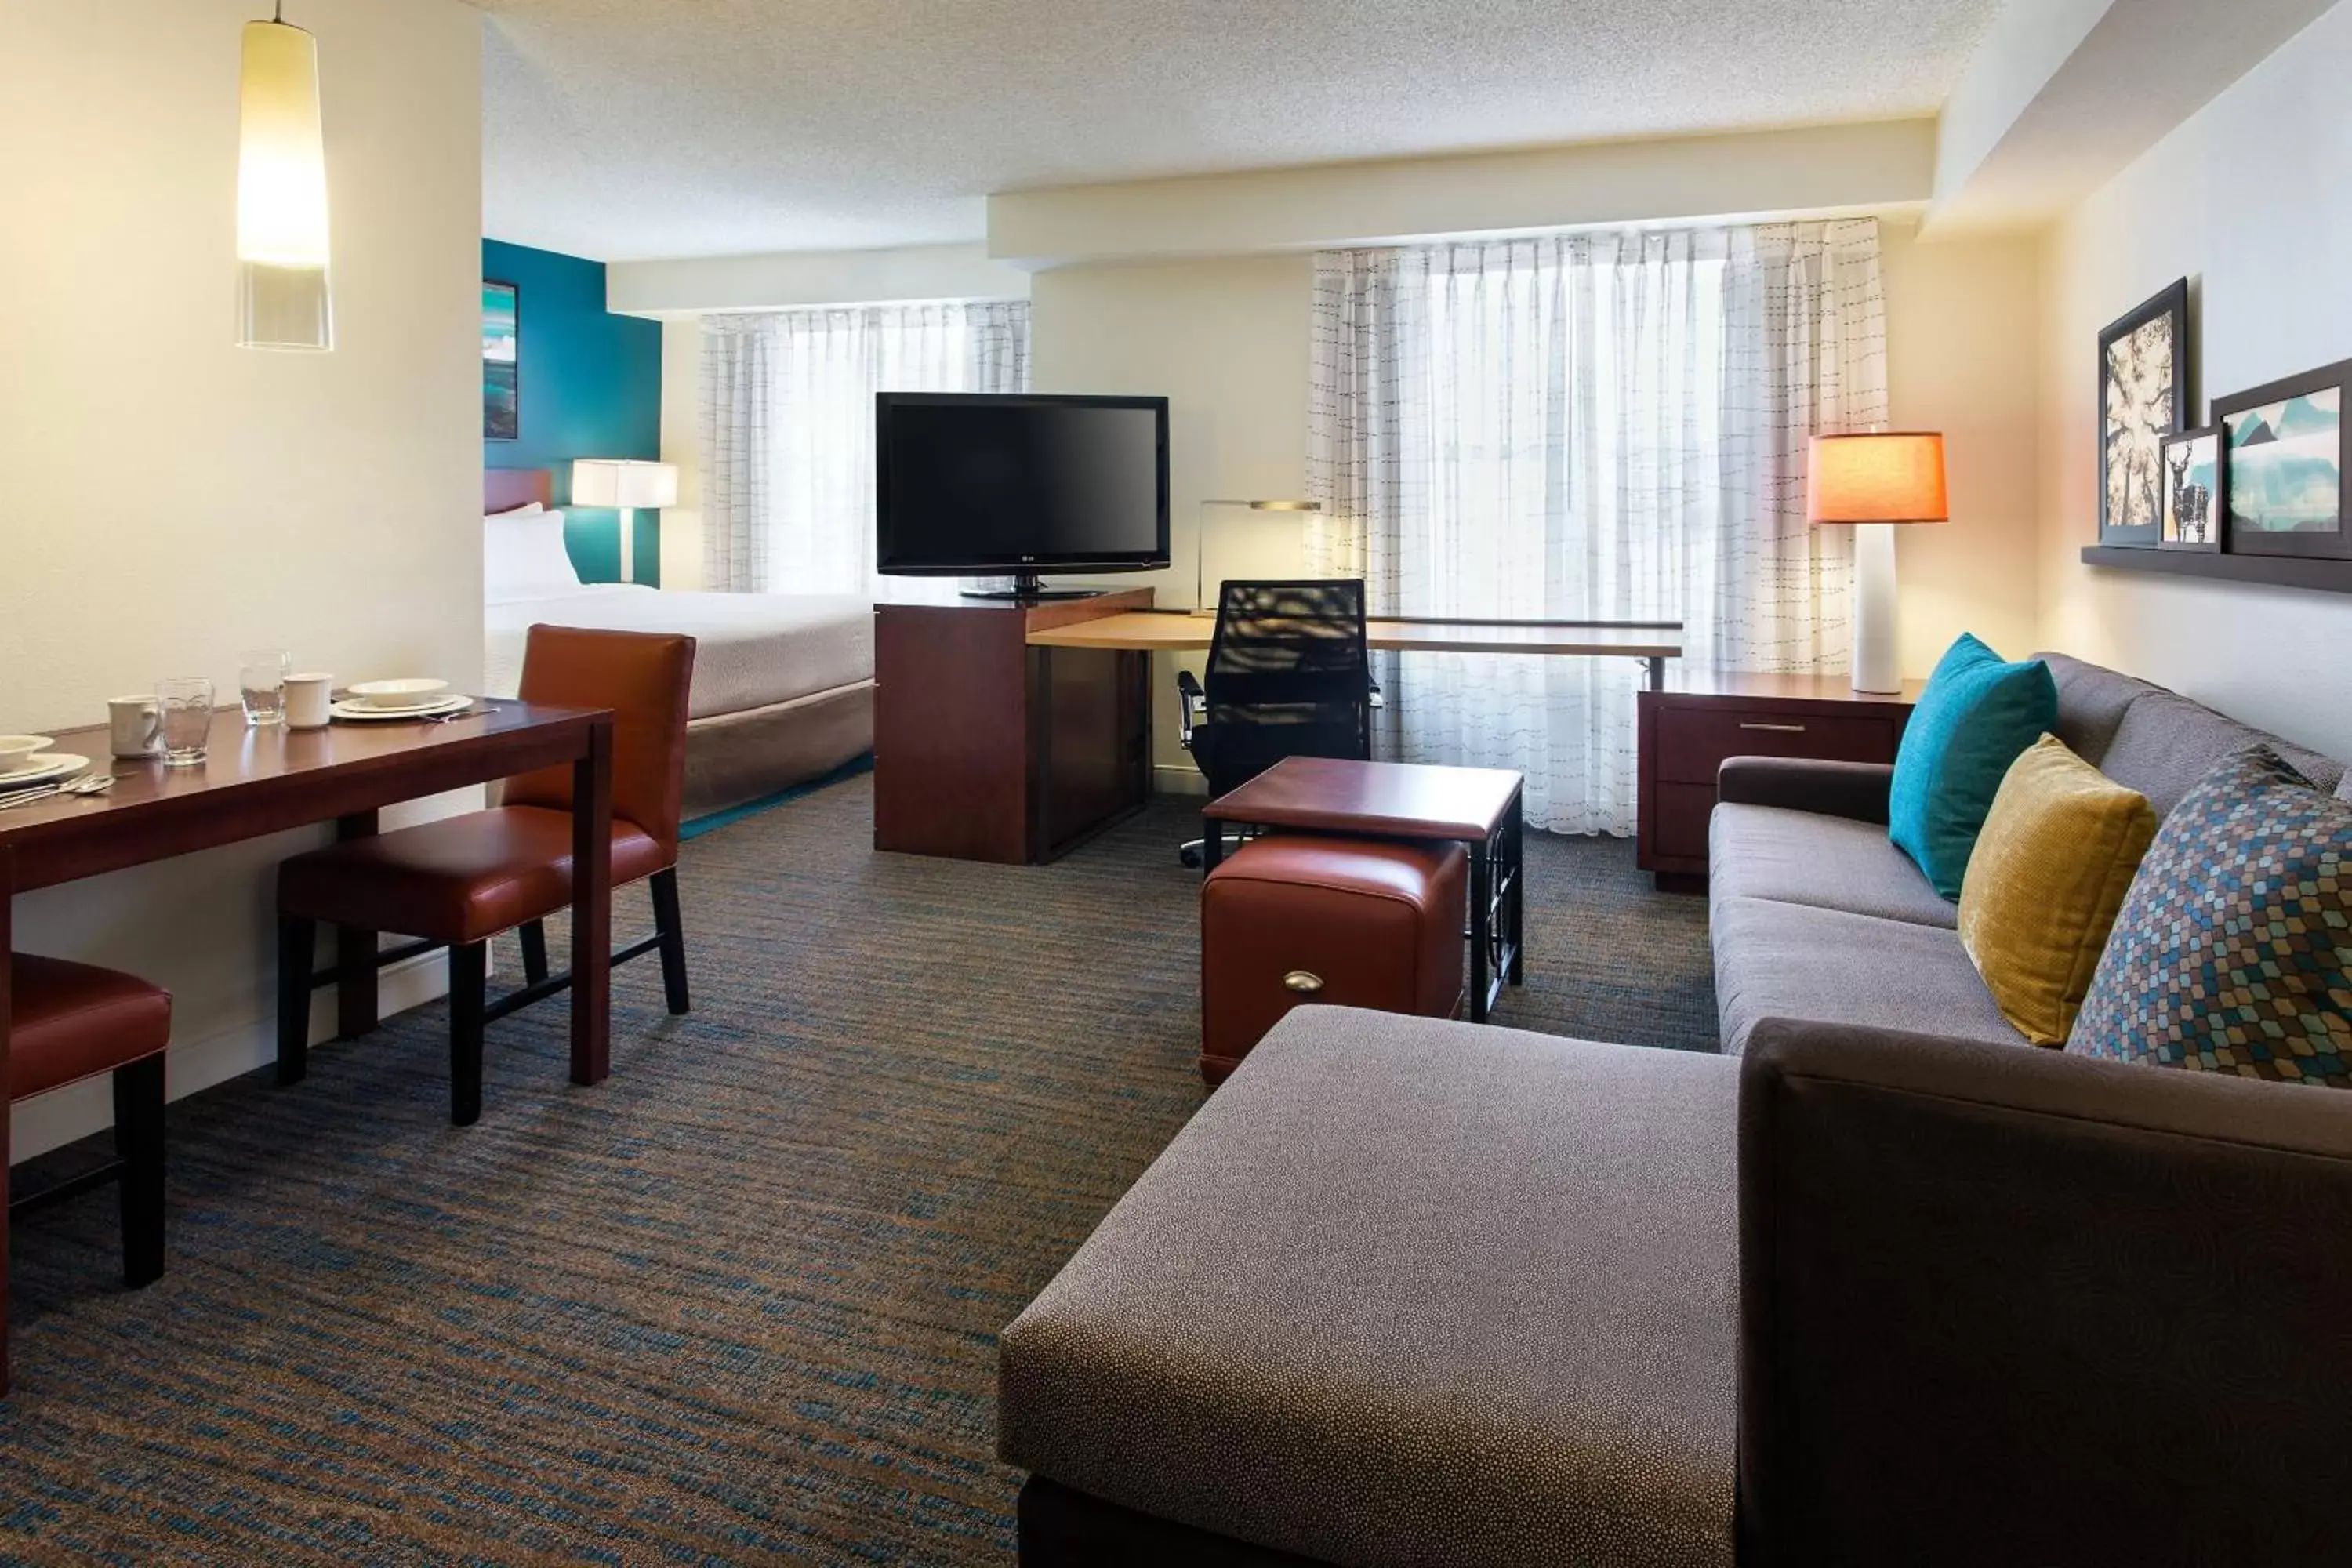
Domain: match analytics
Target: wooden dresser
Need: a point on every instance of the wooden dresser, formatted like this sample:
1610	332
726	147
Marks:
1698	719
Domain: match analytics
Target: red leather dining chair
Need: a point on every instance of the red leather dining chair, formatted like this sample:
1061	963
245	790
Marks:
68	1022
457	882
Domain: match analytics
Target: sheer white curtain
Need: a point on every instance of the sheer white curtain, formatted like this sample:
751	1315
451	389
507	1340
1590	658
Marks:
1607	427
788	432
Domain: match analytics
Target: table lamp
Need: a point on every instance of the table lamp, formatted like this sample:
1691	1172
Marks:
625	484
1873	482
1200	540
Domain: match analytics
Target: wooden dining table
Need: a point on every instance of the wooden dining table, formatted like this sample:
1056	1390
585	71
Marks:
256	782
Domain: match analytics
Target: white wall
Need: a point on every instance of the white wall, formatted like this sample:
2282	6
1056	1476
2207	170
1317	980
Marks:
2253	199
681	443
1226	342
173	499
693	285
1963	354
1869	167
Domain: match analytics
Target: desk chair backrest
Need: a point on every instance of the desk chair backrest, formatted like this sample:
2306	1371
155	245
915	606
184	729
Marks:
643	677
1288	676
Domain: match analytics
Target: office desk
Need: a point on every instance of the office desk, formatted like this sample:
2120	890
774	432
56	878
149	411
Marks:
1186	631
1013	733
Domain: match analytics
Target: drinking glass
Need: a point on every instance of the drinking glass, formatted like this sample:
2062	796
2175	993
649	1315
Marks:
187	704
261	678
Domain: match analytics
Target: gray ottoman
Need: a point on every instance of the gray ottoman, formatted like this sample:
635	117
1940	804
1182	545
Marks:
1407	1291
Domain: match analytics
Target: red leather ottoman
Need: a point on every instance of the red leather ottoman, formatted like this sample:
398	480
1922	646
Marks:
1349	922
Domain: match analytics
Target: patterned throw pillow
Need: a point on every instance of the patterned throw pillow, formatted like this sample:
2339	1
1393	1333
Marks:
2233	950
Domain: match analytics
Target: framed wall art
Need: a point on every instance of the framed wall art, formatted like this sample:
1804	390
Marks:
2192	492
502	361
2282	465
2144	397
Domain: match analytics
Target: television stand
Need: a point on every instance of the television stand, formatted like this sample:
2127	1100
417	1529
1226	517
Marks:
986	748
1028	588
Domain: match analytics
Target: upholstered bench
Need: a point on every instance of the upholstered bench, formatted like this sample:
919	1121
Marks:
1349	922
1403	1292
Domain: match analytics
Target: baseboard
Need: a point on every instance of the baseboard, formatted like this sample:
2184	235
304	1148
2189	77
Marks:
51	1121
1168	779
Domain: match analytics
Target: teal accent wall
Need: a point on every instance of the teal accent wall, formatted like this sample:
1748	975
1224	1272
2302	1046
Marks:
590	387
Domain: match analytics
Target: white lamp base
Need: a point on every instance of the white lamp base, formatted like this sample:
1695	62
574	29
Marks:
1877	611
628	544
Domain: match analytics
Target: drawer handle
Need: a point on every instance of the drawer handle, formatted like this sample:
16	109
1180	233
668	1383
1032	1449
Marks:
1777	729
1300	980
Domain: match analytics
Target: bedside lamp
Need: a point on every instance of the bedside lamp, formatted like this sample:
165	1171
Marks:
627	485
1200	540
1873	482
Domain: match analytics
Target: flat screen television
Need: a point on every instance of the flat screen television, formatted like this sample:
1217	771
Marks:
981	484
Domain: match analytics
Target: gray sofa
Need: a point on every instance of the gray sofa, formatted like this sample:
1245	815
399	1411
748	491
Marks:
1814	915
1882	1286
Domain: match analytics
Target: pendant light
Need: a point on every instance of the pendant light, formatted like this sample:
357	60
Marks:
281	192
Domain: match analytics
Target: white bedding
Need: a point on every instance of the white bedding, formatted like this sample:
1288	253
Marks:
751	649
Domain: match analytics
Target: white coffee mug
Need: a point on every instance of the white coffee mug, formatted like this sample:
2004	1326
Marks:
309	699
136	726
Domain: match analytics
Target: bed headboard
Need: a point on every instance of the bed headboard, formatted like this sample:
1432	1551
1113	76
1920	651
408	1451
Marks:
503	489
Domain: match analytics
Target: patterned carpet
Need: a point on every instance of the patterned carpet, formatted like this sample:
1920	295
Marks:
739	1304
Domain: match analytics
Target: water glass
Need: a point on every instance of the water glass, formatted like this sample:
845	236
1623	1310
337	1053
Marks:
187	704
261	678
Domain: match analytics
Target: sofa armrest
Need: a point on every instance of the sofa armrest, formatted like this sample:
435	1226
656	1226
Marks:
2006	1305
1858	790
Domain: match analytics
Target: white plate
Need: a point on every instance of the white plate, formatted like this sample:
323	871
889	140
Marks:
409	691
367	713
47	765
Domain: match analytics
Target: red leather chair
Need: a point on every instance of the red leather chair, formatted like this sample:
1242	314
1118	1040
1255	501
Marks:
68	1022
459	881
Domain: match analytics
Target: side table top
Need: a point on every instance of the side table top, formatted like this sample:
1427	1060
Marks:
1831	688
1407	800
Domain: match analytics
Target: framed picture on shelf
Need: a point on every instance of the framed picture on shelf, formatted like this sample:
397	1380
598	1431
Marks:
502	361
2192	492
2282	465
2144	397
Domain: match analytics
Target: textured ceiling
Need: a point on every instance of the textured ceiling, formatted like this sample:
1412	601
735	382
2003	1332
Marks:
633	129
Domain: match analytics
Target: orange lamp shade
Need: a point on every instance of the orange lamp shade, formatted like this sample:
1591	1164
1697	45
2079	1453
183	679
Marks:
1897	477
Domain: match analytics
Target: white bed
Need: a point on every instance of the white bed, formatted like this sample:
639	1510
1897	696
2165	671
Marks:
783	683
751	650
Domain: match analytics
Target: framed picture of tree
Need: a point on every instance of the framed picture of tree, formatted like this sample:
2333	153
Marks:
2144	397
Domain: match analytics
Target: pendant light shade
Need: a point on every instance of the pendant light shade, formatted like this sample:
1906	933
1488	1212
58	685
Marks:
281	195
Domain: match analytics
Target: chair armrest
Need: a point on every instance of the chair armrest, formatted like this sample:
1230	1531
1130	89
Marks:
1858	790
1191	702
1982	1287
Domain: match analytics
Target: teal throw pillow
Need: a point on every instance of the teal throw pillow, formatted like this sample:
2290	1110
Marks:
2232	952
1977	716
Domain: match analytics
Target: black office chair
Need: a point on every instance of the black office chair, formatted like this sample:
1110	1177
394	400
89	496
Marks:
1288	676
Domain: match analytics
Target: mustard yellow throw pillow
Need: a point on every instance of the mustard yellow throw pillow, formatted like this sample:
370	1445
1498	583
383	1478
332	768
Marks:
2050	870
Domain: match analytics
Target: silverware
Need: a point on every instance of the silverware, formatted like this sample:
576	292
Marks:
87	785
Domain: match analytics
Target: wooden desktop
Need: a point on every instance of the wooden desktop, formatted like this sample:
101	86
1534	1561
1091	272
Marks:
1189	631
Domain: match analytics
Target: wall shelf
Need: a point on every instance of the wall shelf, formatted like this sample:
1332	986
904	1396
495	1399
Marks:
2276	571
